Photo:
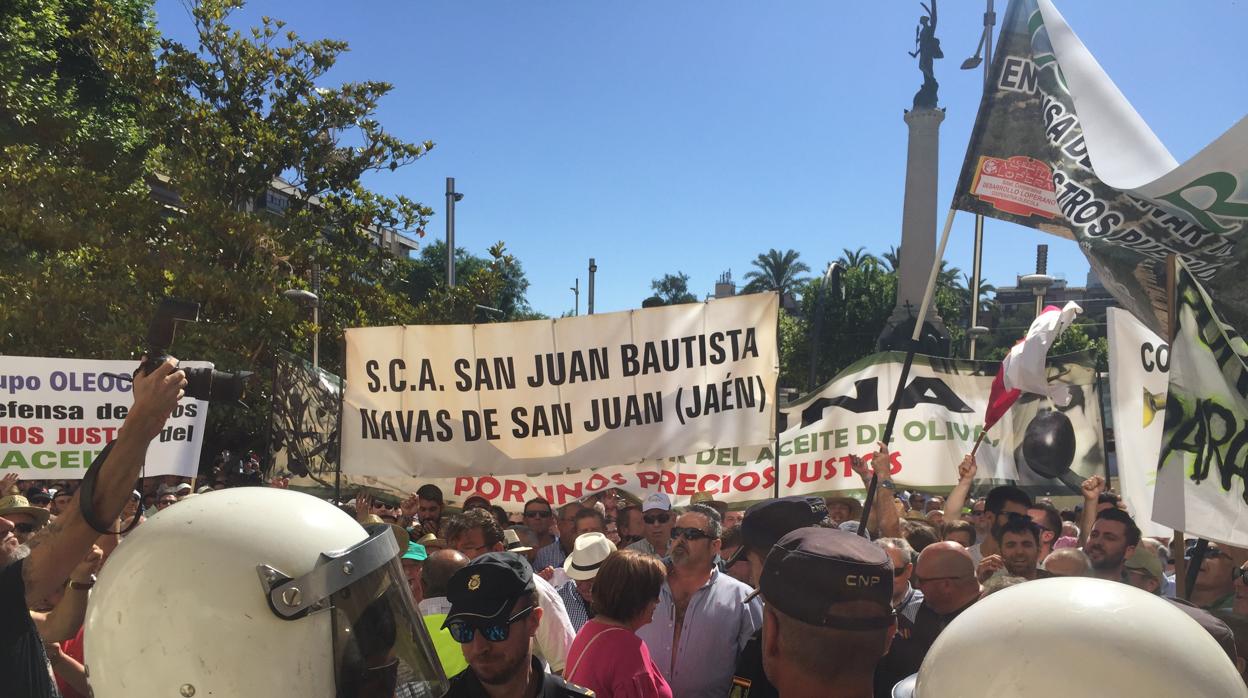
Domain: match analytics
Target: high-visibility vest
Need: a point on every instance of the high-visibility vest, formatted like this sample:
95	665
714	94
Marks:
450	652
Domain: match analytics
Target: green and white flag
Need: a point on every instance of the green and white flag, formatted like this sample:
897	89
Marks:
1204	453
1057	147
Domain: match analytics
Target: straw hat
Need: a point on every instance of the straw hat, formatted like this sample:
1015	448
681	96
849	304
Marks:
17	504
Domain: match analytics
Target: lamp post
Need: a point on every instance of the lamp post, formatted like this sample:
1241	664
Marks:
833	275
576	296
593	269
308	298
451	197
985	45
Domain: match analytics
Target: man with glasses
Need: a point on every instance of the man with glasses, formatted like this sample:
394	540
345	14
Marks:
945	573
477	533
657	521
26	519
703	619
1047	517
1215	586
165	501
494	616
906	599
1112	540
539	516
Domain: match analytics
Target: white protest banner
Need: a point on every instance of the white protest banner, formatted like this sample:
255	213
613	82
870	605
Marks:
548	395
1200	475
57	414
937	425
1038	446
1139	363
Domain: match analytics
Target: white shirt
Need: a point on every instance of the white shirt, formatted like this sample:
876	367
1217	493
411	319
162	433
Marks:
554	633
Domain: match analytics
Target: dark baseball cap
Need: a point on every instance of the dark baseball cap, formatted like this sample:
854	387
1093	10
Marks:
810	571
38	493
769	521
486	588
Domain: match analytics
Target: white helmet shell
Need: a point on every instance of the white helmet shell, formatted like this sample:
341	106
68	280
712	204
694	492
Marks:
180	608
1074	638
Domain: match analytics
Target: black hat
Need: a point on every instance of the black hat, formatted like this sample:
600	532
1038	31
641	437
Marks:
812	570
767	522
487	588
38	493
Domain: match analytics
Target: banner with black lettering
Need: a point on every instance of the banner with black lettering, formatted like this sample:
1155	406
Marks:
304	426
1200	476
1037	445
547	395
1057	147
1139	364
56	415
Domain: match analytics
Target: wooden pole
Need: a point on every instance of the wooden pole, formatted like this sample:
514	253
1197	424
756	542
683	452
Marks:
1172	325
887	436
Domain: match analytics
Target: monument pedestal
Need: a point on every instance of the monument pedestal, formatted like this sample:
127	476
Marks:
918	237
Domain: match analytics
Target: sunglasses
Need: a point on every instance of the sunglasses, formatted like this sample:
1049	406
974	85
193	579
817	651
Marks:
1239	574
898	571
537	514
657	518
689	534
1210	554
495	632
24	528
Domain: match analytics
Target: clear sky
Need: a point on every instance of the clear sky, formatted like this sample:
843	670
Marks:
691	136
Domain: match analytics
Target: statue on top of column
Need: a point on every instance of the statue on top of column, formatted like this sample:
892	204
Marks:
927	50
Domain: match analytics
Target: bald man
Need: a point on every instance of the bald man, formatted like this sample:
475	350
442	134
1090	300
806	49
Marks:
945	573
1068	562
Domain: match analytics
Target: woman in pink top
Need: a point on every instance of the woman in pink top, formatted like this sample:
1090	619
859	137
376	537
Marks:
607	656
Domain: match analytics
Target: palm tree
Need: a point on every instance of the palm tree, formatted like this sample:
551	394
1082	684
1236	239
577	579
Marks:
776	271
853	259
892	258
985	290
948	276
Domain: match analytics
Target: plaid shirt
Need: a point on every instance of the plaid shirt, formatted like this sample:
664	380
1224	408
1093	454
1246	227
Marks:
579	612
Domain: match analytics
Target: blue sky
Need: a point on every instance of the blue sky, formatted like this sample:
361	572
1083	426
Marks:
691	136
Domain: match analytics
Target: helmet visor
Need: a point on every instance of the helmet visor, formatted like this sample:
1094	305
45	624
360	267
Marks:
381	647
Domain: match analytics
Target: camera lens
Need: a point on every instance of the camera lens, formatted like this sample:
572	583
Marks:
216	386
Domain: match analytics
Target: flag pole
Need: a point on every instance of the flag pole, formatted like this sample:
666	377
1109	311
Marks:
887	435
1172	325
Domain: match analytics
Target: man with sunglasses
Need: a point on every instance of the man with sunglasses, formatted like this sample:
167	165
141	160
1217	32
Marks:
494	616
703	620
26	519
945	573
539	517
1215	584
657	521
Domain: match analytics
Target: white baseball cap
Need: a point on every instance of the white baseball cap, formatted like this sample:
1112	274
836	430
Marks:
657	500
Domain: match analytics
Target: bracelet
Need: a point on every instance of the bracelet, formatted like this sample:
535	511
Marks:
82	586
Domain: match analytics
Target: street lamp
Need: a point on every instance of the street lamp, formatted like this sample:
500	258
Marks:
306	299
831	275
984	47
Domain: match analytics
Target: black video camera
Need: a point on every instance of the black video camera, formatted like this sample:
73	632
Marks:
201	383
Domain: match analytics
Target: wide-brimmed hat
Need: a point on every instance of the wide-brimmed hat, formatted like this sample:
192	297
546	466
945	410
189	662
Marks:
17	504
588	552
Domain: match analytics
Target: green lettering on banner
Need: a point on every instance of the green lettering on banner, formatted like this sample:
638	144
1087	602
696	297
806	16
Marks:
1223	185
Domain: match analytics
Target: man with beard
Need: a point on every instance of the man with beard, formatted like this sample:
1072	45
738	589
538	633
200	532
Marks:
1018	543
494	616
703	620
1113	540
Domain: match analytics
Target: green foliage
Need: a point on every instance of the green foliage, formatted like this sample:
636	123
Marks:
427	273
98	108
670	289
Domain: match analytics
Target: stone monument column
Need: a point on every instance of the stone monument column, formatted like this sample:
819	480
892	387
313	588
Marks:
918	217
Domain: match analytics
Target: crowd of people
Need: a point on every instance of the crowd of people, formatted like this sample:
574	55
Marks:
612	596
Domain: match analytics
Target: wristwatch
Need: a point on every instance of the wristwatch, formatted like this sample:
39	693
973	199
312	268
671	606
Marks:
888	483
82	586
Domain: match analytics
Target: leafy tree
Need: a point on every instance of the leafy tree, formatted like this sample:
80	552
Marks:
892	258
428	271
670	289
99	110
776	271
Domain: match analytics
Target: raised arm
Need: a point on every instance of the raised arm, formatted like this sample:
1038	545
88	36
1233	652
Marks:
1092	489
957	498
61	545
